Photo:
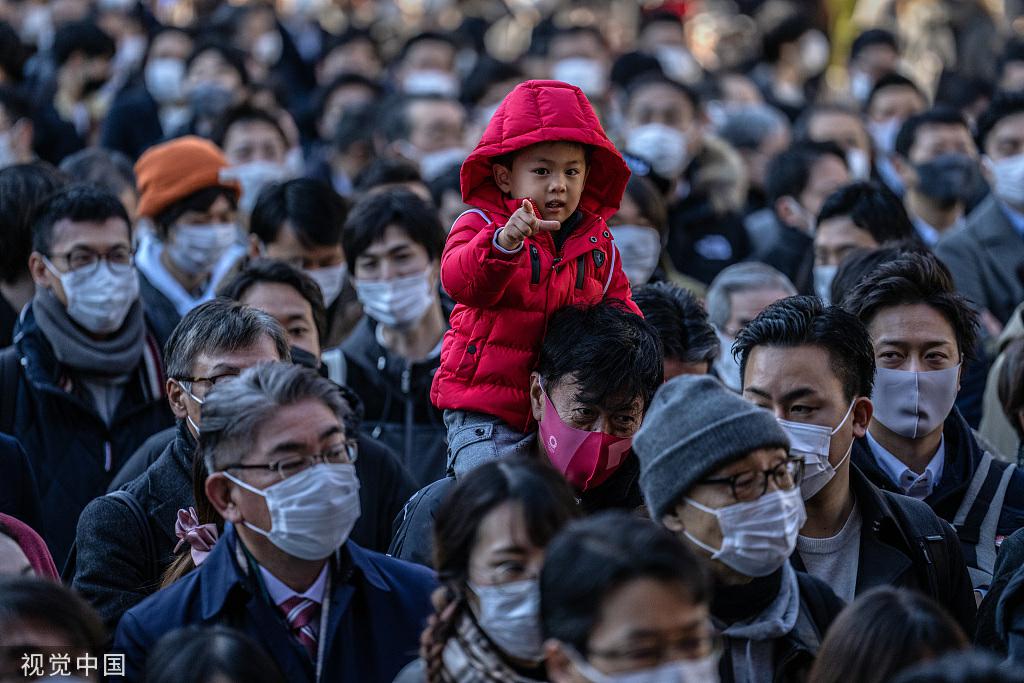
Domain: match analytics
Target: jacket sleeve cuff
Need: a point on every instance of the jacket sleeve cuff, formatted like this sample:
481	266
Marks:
502	249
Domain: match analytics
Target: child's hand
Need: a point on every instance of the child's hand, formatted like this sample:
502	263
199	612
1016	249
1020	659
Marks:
523	224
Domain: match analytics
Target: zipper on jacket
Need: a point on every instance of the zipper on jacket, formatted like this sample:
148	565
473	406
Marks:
581	271
534	265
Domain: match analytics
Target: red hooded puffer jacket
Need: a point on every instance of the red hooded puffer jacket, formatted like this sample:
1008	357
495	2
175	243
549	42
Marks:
505	301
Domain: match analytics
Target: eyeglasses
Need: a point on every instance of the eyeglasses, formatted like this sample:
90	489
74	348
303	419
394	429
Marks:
206	384
753	484
655	653
119	259
344	453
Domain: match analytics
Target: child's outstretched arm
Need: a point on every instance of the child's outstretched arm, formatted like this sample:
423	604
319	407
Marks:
480	258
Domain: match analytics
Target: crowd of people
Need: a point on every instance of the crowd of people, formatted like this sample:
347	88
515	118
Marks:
442	341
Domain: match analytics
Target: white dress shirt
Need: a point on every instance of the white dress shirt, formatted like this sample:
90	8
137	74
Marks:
910	482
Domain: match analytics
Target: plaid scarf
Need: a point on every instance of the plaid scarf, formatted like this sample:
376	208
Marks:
469	657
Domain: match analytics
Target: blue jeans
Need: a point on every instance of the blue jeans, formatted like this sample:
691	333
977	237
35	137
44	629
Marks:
476	438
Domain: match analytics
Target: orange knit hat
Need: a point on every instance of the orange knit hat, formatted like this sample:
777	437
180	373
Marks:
173	170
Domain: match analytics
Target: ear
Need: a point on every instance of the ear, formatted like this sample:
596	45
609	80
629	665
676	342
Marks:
536	397
41	275
218	490
986	170
23	132
502	177
862	412
560	669
905	170
672	521
256	248
176	398
784	210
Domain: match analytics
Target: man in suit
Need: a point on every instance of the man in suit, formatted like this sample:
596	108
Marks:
987	255
277	443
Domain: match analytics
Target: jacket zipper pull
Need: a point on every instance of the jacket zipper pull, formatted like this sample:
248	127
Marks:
406	381
534	265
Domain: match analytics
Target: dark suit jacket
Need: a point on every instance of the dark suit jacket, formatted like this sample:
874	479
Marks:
378	607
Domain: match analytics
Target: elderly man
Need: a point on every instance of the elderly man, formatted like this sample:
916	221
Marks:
277	443
119	561
598	369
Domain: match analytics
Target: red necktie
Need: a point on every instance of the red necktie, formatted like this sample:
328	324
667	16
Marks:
300	613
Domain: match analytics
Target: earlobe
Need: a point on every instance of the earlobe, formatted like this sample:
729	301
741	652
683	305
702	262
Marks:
176	399
862	412
502	177
558	665
219	493
536	397
673	523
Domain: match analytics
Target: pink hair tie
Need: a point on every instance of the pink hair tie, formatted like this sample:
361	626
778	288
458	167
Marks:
200	537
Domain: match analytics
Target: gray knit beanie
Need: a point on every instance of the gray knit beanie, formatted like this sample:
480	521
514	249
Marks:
694	427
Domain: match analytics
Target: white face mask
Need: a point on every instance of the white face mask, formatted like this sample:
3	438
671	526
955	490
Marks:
589	75
164	79
678	64
400	302
196	249
814	52
758	536
884	133
510	616
99	301
130	53
433	164
823	277
430	82
330	279
253	177
703	670
860	85
267	48
640	248
312	512
859	164
914	404
1008	181
664	147
813	443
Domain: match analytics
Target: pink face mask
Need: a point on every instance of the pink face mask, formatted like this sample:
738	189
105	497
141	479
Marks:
586	459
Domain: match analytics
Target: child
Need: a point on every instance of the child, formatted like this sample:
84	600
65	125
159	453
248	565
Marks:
544	179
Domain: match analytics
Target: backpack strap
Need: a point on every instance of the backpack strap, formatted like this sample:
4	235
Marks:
148	547
926	537
977	519
9	363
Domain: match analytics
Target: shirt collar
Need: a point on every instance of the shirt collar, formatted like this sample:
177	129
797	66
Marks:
1015	217
911	483
280	593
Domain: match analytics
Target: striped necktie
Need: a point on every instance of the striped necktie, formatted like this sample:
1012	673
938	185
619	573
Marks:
301	614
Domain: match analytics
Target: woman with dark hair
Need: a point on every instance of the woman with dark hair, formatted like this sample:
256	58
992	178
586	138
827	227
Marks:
205	654
489	540
623	599
883	632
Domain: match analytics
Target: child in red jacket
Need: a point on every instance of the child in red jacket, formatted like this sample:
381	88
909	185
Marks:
544	179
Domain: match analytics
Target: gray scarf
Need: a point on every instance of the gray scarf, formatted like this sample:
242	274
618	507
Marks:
115	356
752	641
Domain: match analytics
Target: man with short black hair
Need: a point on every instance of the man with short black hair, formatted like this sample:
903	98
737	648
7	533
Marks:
256	149
843	126
864	215
813	367
689	342
893	99
82	383
938	161
918	444
427	130
1010	70
987	256
300	222
873	54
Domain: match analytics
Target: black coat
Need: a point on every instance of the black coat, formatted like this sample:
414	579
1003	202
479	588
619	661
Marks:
161	315
132	124
114	575
74	453
703	242
893	527
19	495
1008	604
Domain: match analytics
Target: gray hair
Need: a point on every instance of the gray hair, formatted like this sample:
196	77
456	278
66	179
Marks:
747	127
102	168
219	326
235	411
742	277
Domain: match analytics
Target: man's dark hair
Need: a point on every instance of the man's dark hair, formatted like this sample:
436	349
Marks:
892	80
789	172
1004	105
50	607
681	322
23	187
805	321
785	32
76	203
246	113
220	652
424	37
963	667
350	35
858	263
345	80
802	126
13	53
373	215
1013	51
486	72
449	181
81	36
103	168
870	38
962	91
14	104
873	208
394	123
387	171
264	271
613	354
910	279
632	65
219	326
648	79
937	116
356	126
233	56
595	556
311	208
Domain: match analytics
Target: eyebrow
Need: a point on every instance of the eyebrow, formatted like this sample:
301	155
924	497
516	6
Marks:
903	342
553	163
509	548
222	369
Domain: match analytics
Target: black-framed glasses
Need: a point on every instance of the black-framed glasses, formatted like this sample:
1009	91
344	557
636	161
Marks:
753	484
206	383
119	259
656	653
344	453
